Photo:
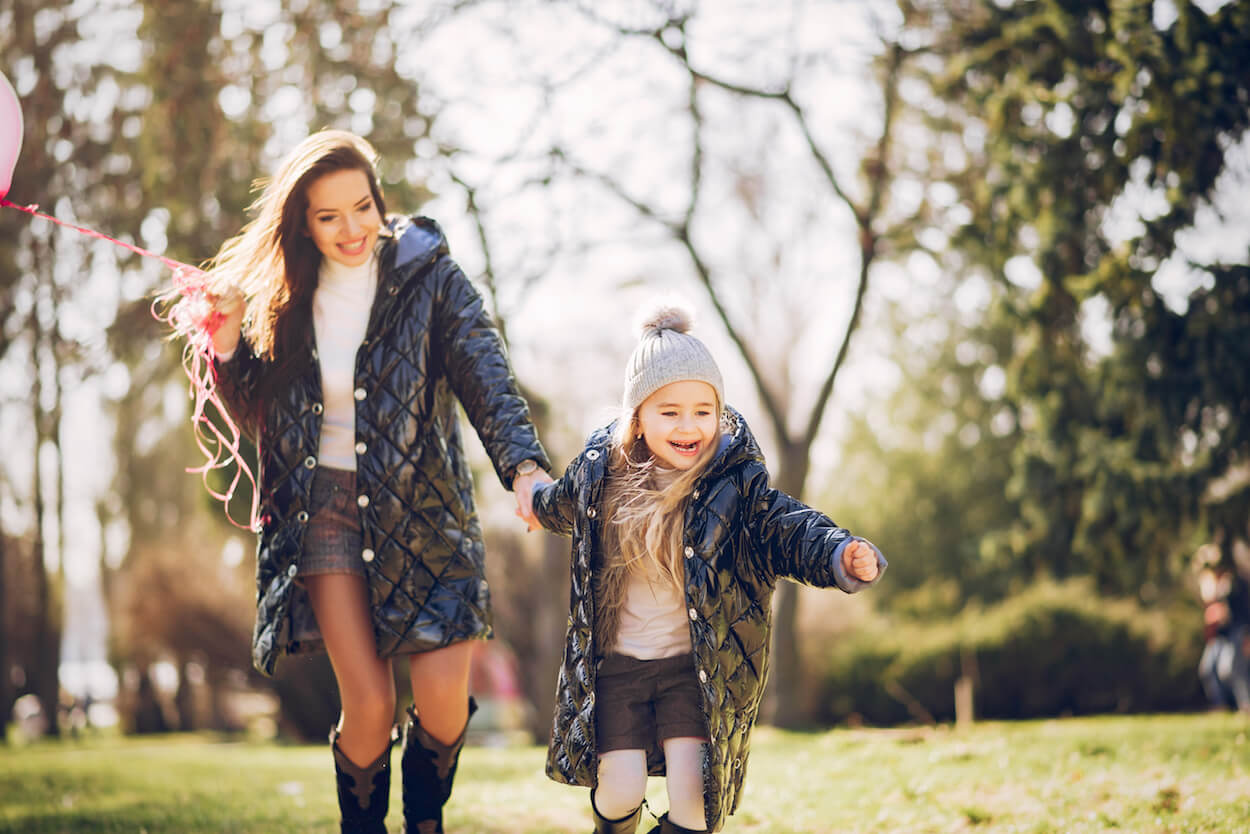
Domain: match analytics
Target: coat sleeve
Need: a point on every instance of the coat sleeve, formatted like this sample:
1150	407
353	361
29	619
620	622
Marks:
236	379
481	375
555	503
790	539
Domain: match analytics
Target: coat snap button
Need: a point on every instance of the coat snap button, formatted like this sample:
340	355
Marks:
590	511
301	517
318	408
362	500
392	289
696	493
292	570
694	615
703	675
593	454
689	551
367	555
359	394
361	448
310	462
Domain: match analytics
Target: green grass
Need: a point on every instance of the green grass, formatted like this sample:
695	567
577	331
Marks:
1152	774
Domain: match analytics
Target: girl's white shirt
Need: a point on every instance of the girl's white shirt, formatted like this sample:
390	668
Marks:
341	305
653	620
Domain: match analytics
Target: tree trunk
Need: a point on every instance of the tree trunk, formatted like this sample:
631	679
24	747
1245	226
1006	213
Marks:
43	678
184	698
6	689
784	703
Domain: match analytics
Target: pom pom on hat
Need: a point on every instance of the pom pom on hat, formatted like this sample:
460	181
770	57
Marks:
667	353
666	317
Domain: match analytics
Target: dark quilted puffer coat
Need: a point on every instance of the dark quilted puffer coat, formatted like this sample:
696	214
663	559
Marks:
741	537
429	342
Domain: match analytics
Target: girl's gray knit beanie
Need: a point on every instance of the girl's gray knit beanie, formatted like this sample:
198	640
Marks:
667	353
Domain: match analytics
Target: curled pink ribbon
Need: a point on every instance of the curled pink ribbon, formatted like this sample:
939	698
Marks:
188	309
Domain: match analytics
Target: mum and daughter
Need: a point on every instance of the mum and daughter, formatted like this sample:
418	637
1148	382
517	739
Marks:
348	337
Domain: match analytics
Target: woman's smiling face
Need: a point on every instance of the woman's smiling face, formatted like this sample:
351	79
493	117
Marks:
342	218
680	421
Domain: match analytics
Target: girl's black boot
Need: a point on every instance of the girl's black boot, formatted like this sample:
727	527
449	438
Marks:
667	826
364	792
627	824
428	770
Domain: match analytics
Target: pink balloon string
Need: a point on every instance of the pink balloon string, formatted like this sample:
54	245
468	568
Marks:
188	310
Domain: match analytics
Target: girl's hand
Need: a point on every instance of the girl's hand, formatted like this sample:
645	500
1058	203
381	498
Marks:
859	560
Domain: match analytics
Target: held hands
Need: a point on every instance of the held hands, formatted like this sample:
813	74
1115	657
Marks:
523	489
860	561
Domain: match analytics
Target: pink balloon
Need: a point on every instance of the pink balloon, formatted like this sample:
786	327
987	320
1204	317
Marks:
10	133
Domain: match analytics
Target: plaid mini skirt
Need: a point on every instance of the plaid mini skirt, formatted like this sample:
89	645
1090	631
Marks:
332	542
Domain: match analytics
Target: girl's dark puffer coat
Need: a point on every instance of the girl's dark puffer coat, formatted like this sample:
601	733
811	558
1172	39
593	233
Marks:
741	537
429	342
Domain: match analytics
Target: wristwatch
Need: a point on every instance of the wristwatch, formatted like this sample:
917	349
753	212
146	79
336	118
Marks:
525	467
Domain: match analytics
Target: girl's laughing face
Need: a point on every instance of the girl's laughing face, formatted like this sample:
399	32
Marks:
680	421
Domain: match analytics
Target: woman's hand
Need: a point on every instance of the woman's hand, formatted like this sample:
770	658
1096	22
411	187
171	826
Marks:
523	489
230	305
860	561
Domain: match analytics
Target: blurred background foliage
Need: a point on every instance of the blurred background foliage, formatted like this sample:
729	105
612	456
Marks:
998	324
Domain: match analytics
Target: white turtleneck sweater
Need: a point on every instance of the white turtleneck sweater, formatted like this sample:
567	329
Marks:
341	306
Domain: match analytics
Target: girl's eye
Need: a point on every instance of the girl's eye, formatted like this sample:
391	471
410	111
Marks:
366	207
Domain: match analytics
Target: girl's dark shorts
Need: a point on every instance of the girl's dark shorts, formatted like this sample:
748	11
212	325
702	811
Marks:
640	703
332	541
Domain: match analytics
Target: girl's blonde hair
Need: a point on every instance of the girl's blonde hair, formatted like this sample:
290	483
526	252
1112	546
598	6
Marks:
646	506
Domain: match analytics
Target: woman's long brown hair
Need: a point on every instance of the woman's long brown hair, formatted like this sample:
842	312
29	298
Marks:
274	261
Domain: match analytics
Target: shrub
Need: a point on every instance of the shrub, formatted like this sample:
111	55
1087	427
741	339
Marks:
1055	649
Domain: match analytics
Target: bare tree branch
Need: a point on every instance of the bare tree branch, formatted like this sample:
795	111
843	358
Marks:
879	180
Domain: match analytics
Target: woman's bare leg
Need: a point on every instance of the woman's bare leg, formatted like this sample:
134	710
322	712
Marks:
366	686
440	689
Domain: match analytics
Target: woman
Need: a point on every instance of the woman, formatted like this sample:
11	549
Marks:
346	338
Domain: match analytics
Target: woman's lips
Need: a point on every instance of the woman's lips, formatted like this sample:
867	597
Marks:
354	248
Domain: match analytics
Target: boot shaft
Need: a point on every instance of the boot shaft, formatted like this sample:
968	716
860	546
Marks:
667	826
364	792
428	771
627	824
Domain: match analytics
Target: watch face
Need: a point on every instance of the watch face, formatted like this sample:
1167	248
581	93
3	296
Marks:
525	467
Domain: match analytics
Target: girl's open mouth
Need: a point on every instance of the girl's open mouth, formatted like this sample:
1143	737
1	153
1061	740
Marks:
354	248
685	448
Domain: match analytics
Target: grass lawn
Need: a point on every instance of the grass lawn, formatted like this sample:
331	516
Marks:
1151	774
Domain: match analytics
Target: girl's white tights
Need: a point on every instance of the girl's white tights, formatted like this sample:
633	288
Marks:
623	782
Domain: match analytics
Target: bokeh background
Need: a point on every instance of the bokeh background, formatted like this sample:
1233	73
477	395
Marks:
977	272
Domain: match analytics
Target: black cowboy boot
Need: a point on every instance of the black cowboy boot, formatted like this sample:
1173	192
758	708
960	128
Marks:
667	826
428	768
364	792
627	824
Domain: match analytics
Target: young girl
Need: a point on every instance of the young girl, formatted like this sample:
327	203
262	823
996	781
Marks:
360	336
678	541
